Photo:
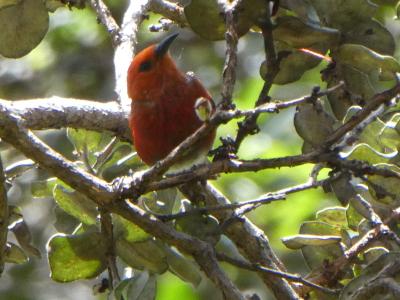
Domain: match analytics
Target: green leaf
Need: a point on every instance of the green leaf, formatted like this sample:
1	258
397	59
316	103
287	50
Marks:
183	268
24	237
370	275
204	227
143	255
342	188
121	160
43	189
372	254
365	152
88	142
353	216
313	124
127	230
315	256
298	34
160	202
23	26
385	189
205	17
300	240
303	9
142	286
75	204
372	35
344	14
294	63
368	61
389	136
14	254
75	257
335	216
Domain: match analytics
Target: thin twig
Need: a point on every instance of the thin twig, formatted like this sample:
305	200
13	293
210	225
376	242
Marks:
102	193
249	125
170	11
258	268
3	217
106	18
250	204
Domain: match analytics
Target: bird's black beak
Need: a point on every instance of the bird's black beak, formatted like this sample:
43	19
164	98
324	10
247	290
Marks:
162	47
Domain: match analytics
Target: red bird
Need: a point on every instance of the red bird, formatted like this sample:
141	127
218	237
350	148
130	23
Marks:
163	112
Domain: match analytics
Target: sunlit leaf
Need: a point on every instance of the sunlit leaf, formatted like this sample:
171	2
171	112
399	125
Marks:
335	216
75	204
74	257
127	230
42	189
300	240
367	60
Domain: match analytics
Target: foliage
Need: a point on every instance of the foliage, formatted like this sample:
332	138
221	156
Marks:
351	44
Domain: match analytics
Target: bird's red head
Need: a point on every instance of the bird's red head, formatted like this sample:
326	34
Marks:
150	68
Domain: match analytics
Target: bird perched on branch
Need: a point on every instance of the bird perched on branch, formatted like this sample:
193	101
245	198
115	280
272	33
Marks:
167	106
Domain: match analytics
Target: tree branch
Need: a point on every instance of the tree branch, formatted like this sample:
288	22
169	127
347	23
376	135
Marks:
3	217
291	277
58	112
106	18
102	193
170	11
250	240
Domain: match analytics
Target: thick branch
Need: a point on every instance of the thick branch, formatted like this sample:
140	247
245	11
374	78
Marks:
57	112
103	195
250	240
170	11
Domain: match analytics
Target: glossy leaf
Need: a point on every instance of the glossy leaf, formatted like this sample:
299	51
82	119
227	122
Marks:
124	229
74	257
75	204
367	60
300	240
335	216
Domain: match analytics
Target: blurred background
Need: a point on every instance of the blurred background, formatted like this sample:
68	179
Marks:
76	60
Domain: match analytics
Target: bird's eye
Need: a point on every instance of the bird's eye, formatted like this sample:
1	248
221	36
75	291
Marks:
145	66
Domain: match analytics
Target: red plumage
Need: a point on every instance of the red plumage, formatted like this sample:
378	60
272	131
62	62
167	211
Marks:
163	105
